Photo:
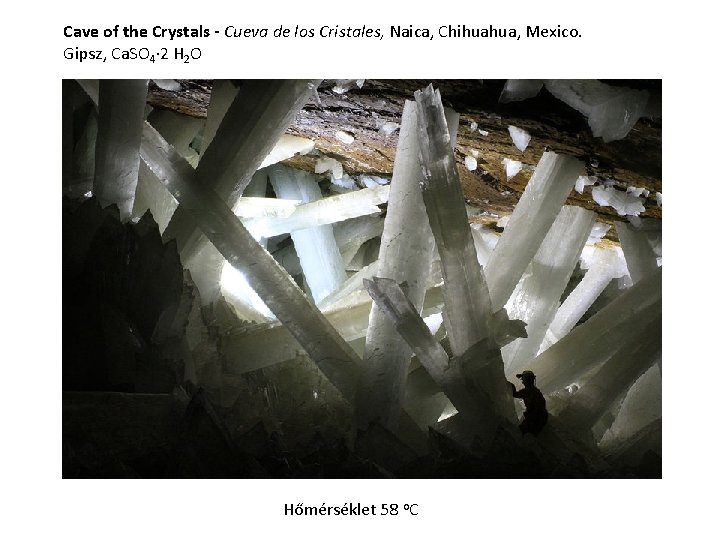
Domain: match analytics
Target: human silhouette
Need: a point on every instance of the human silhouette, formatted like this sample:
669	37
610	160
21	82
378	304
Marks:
535	415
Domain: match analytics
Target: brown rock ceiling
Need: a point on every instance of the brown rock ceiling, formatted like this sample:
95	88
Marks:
635	160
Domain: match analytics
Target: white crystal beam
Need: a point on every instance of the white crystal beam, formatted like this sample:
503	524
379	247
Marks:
639	256
466	306
468	310
594	341
424	400
406	250
482	247
178	130
91	88
604	268
222	95
322	212
612	111
641	406
121	106
407	322
152	195
213	274
260	206
323	344
546	192
537	296
520	89
260	113
248	349
352	285
319	255
472	402
614	377
354	232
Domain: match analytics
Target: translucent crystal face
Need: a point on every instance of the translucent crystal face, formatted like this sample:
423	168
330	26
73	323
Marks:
234	283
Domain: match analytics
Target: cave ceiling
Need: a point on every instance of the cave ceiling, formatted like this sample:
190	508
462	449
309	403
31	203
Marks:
483	134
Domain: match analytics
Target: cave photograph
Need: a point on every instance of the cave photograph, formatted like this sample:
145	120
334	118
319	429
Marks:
357	278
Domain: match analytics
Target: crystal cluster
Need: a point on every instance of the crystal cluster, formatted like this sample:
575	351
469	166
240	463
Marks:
281	300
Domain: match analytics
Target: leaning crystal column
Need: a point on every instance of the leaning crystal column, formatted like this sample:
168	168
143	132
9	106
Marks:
590	344
604	268
424	401
482	246
216	275
354	232
122	108
476	407
178	130
529	223
260	113
405	254
639	255
519	89
222	95
323	211
615	376
612	111
269	344
537	296
641	405
324	345
468	310
315	246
